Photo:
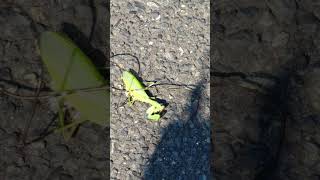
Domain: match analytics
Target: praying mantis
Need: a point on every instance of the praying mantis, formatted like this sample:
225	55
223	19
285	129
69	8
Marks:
136	92
75	77
78	83
72	71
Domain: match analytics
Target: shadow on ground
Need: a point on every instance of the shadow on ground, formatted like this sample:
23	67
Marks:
264	125
183	151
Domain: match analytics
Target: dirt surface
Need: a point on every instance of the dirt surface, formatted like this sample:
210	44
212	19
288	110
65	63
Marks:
27	151
265	89
170	39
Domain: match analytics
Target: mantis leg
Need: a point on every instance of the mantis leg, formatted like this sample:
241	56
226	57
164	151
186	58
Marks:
130	100
61	115
67	130
131	103
73	124
149	84
153	117
153	114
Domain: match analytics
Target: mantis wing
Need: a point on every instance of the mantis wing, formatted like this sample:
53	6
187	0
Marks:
71	69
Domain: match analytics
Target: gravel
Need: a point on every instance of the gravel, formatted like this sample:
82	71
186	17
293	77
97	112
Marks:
171	41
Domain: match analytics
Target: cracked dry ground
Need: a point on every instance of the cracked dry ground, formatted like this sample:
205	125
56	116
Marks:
86	155
266	89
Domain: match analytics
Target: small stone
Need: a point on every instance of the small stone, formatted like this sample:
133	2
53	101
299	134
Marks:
135	7
152	5
32	78
151	148
134	167
155	16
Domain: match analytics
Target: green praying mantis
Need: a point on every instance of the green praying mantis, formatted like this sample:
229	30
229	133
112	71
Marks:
76	81
72	71
75	77
136	92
